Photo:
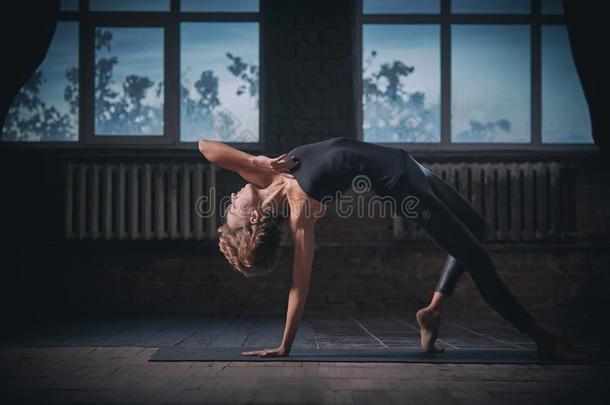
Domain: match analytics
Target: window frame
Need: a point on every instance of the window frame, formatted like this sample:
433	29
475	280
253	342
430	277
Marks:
170	21
535	20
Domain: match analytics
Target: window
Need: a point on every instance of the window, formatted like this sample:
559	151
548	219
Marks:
565	114
219	84
68	5
490	6
401	99
470	74
129	5
402	7
490	83
220	5
135	72
128	83
46	108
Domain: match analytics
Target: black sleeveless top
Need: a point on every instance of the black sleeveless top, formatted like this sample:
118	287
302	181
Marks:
339	164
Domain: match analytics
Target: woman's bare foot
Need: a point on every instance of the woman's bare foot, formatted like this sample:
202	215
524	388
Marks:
429	321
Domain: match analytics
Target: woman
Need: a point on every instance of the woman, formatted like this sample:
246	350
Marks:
309	177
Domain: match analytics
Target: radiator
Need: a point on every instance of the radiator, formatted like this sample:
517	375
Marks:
139	201
520	201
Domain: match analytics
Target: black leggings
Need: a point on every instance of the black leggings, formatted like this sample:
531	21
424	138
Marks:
458	228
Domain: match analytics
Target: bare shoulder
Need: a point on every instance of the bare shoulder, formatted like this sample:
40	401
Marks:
304	210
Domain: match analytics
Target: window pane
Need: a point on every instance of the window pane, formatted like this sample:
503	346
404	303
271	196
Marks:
128	81
490	83
220	5
565	113
68	5
552	7
46	108
406	6
401	83
129	5
490	6
219	82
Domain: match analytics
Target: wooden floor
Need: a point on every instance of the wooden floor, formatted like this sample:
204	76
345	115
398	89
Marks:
105	360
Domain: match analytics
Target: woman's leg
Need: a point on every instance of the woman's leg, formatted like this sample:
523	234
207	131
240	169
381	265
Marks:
429	317
453	269
450	275
455	216
453	236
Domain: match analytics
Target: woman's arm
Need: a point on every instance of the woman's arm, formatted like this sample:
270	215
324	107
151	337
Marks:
304	243
258	170
302	230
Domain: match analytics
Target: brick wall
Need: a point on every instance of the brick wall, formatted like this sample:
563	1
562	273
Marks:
309	65
555	281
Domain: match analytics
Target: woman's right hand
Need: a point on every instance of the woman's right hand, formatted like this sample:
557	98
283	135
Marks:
280	164
277	352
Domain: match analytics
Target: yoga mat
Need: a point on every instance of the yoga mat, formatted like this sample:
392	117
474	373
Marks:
474	356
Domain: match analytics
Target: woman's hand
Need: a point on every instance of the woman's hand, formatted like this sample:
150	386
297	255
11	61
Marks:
277	352
281	164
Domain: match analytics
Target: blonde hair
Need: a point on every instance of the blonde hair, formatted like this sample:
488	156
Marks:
253	251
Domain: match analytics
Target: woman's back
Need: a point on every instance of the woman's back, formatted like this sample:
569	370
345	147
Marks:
336	164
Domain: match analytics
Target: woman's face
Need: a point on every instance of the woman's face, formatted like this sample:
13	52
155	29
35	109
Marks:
243	203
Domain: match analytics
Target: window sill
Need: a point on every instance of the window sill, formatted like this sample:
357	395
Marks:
499	152
423	152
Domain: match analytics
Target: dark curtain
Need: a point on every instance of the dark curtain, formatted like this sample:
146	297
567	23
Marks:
26	30
589	30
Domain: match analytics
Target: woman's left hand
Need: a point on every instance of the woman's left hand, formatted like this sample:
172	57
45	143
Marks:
277	352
